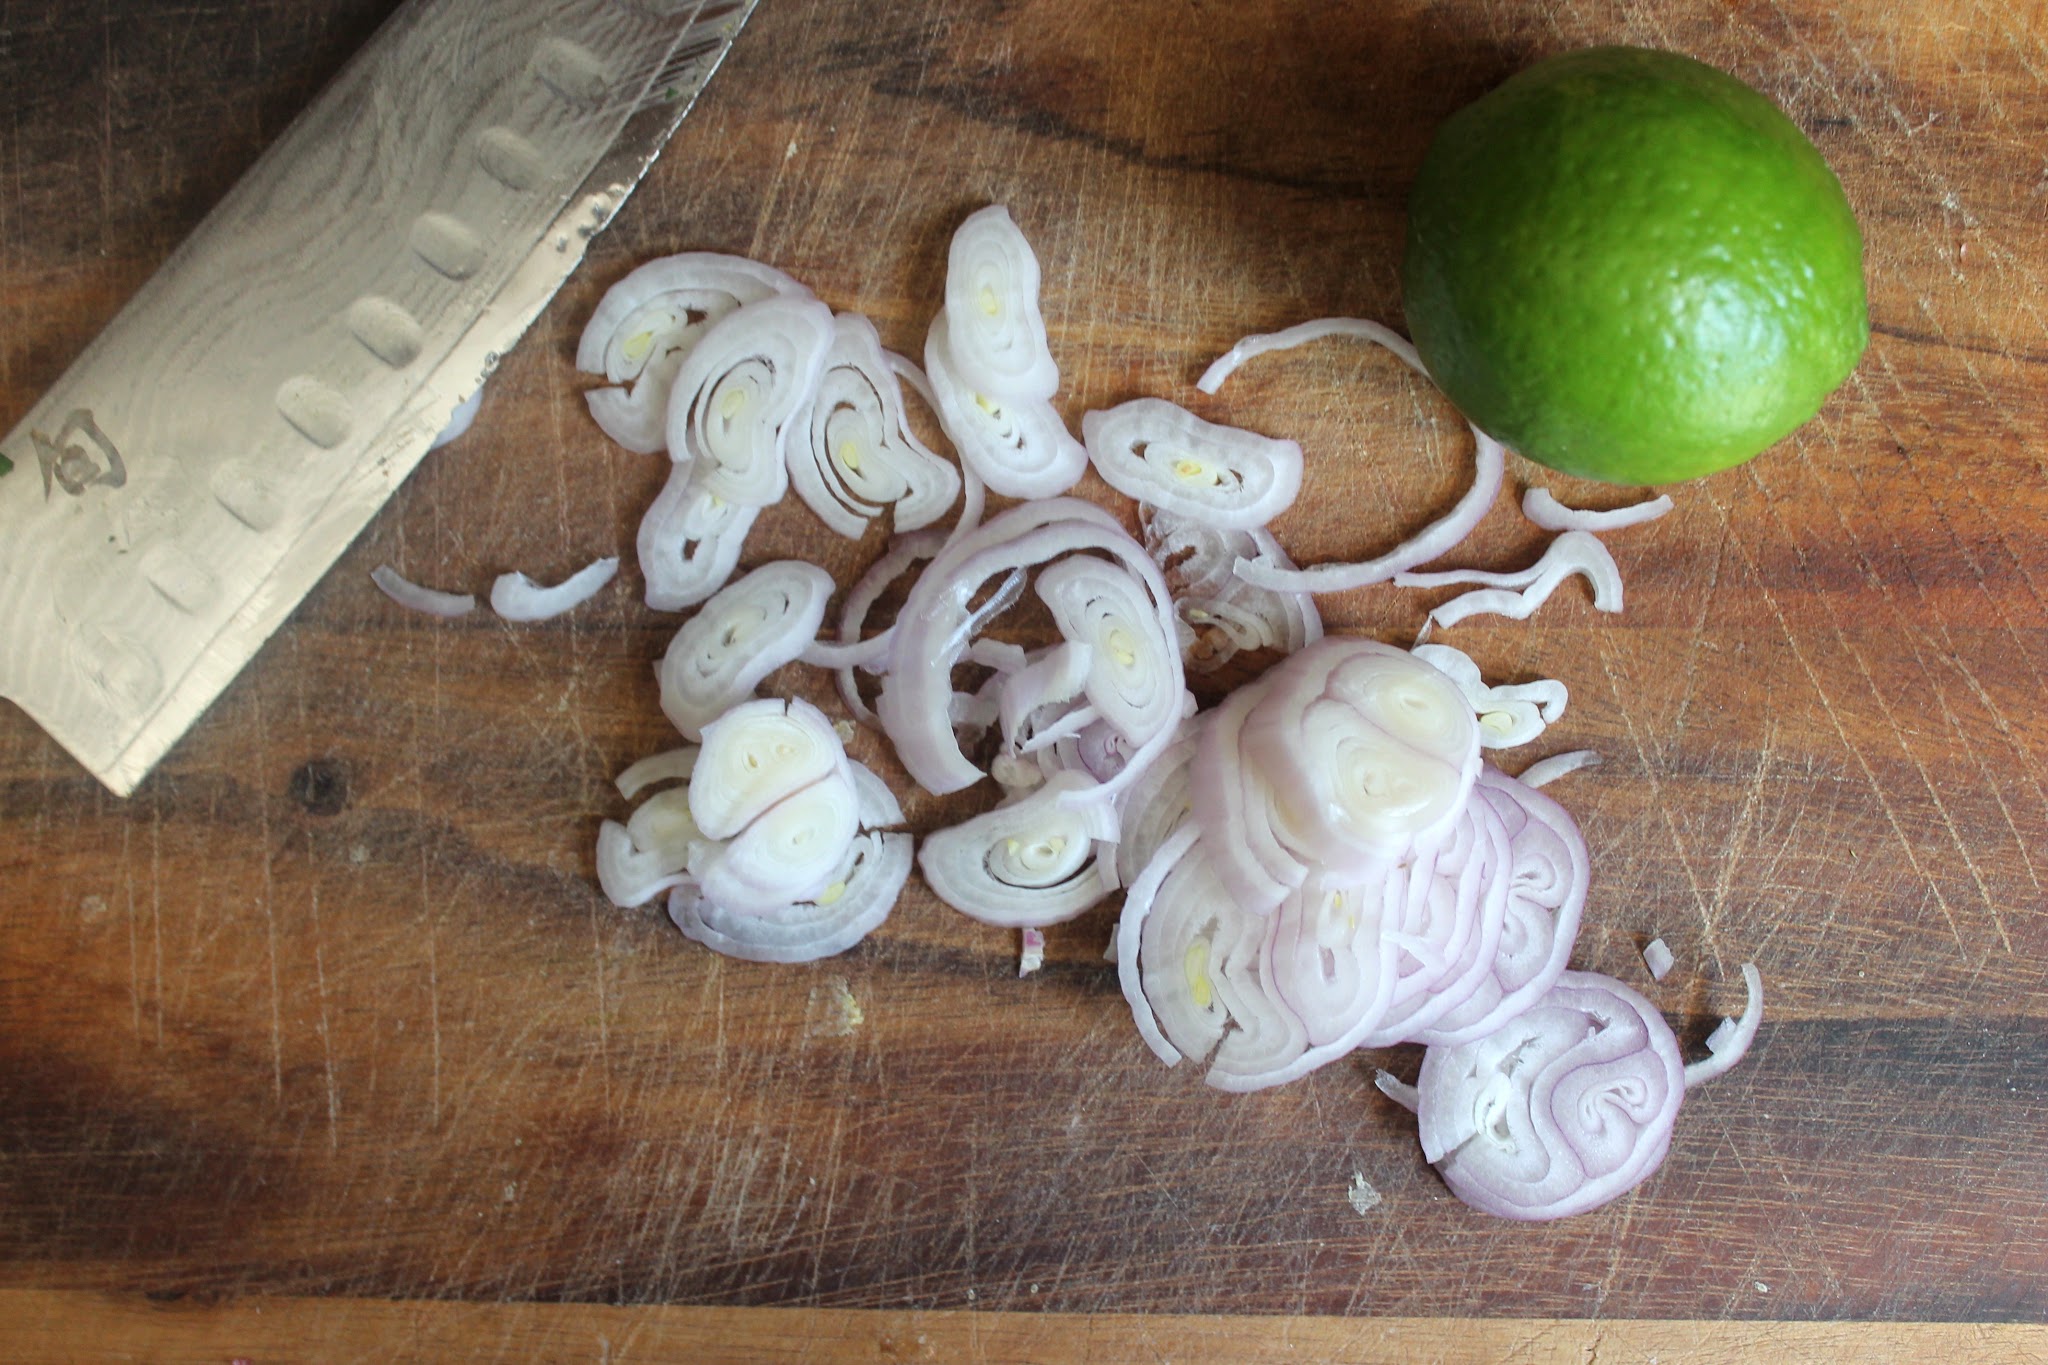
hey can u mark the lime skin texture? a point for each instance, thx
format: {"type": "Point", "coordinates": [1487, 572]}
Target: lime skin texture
{"type": "Point", "coordinates": [1629, 266]}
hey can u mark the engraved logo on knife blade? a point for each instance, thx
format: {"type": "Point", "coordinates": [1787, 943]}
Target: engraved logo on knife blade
{"type": "Point", "coordinates": [73, 467]}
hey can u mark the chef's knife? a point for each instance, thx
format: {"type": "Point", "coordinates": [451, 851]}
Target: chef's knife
{"type": "Point", "coordinates": [219, 445]}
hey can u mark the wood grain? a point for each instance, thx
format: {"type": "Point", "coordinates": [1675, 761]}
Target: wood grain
{"type": "Point", "coordinates": [332, 1006]}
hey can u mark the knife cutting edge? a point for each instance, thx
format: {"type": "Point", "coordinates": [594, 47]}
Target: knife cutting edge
{"type": "Point", "coordinates": [220, 444]}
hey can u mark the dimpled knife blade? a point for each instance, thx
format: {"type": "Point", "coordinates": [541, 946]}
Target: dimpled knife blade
{"type": "Point", "coordinates": [219, 445]}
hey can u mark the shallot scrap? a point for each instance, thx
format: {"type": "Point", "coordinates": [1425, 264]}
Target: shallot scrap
{"type": "Point", "coordinates": [1326, 860]}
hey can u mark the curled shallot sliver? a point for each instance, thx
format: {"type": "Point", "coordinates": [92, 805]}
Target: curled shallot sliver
{"type": "Point", "coordinates": [751, 627]}
{"type": "Point", "coordinates": [1031, 861]}
{"type": "Point", "coordinates": [1540, 506]}
{"type": "Point", "coordinates": [431, 601]}
{"type": "Point", "coordinates": [1518, 593]}
{"type": "Point", "coordinates": [1435, 539]}
{"type": "Point", "coordinates": [647, 855]}
{"type": "Point", "coordinates": [690, 541]}
{"type": "Point", "coordinates": [647, 323]}
{"type": "Point", "coordinates": [1222, 614]}
{"type": "Point", "coordinates": [739, 390]}
{"type": "Point", "coordinates": [1509, 714]}
{"type": "Point", "coordinates": [673, 765]}
{"type": "Point", "coordinates": [1545, 771]}
{"type": "Point", "coordinates": [1163, 455]}
{"type": "Point", "coordinates": [1567, 1106]}
{"type": "Point", "coordinates": [998, 344]}
{"type": "Point", "coordinates": [1730, 1040]}
{"type": "Point", "coordinates": [851, 450]}
{"type": "Point", "coordinates": [515, 597]}
{"type": "Point", "coordinates": [1130, 679]}
{"type": "Point", "coordinates": [1018, 446]}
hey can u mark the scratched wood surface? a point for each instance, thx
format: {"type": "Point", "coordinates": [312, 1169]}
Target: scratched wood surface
{"type": "Point", "coordinates": [333, 1008]}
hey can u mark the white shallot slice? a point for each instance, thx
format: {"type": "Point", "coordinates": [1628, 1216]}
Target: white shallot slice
{"type": "Point", "coordinates": [1540, 506]}
{"type": "Point", "coordinates": [1132, 678]}
{"type": "Point", "coordinates": [690, 541]}
{"type": "Point", "coordinates": [411, 595]}
{"type": "Point", "coordinates": [1124, 946]}
{"type": "Point", "coordinates": [851, 450]}
{"type": "Point", "coordinates": [647, 323]}
{"type": "Point", "coordinates": [750, 627]}
{"type": "Point", "coordinates": [1164, 455]}
{"type": "Point", "coordinates": [673, 765]}
{"type": "Point", "coordinates": [1018, 446]}
{"type": "Point", "coordinates": [1545, 771]}
{"type": "Point", "coordinates": [647, 855]}
{"type": "Point", "coordinates": [786, 854]}
{"type": "Point", "coordinates": [1366, 749]}
{"type": "Point", "coordinates": [1152, 809]}
{"type": "Point", "coordinates": [1231, 802]}
{"type": "Point", "coordinates": [1730, 1040]}
{"type": "Point", "coordinates": [1435, 539]}
{"type": "Point", "coordinates": [1657, 957]}
{"type": "Point", "coordinates": [998, 343]}
{"type": "Point", "coordinates": [738, 390]}
{"type": "Point", "coordinates": [756, 755]}
{"type": "Point", "coordinates": [1571, 552]}
{"type": "Point", "coordinates": [1331, 964]}
{"type": "Point", "coordinates": [858, 898]}
{"type": "Point", "coordinates": [515, 597]}
{"type": "Point", "coordinates": [1567, 1106]}
{"type": "Point", "coordinates": [1509, 714]}
{"type": "Point", "coordinates": [1031, 861]}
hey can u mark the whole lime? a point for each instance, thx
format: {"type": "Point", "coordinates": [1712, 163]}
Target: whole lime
{"type": "Point", "coordinates": [1630, 266]}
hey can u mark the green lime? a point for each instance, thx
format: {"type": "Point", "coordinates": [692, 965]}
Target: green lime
{"type": "Point", "coordinates": [1630, 266]}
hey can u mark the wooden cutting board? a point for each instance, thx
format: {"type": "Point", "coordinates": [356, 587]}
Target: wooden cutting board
{"type": "Point", "coordinates": [332, 1008]}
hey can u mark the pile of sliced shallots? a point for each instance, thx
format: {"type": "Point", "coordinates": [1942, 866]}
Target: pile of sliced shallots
{"type": "Point", "coordinates": [1321, 863]}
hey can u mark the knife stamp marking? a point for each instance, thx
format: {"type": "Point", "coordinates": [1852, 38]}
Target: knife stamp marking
{"type": "Point", "coordinates": [75, 468]}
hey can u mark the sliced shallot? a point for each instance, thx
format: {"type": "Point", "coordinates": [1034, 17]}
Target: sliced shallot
{"type": "Point", "coordinates": [1542, 508]}
{"type": "Point", "coordinates": [515, 597]}
{"type": "Point", "coordinates": [998, 343]}
{"type": "Point", "coordinates": [751, 627]}
{"type": "Point", "coordinates": [756, 755]}
{"type": "Point", "coordinates": [851, 450]}
{"type": "Point", "coordinates": [1433, 540]}
{"type": "Point", "coordinates": [690, 541]}
{"type": "Point", "coordinates": [1017, 445]}
{"type": "Point", "coordinates": [411, 595]}
{"type": "Point", "coordinates": [648, 322]}
{"type": "Point", "coordinates": [738, 390]}
{"type": "Point", "coordinates": [1567, 1106]}
{"type": "Point", "coordinates": [1509, 714]}
{"type": "Point", "coordinates": [1730, 1040]}
{"type": "Point", "coordinates": [1657, 957]}
{"type": "Point", "coordinates": [1164, 455]}
{"type": "Point", "coordinates": [1032, 861]}
{"type": "Point", "coordinates": [1517, 594]}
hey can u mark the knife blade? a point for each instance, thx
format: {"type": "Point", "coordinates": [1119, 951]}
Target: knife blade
{"type": "Point", "coordinates": [218, 446]}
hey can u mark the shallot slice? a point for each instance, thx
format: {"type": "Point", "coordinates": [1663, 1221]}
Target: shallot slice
{"type": "Point", "coordinates": [903, 551]}
{"type": "Point", "coordinates": [1031, 861]}
{"type": "Point", "coordinates": [1222, 613]}
{"type": "Point", "coordinates": [647, 855]}
{"type": "Point", "coordinates": [674, 765]}
{"type": "Point", "coordinates": [1508, 714]}
{"type": "Point", "coordinates": [1164, 455]}
{"type": "Point", "coordinates": [411, 595]}
{"type": "Point", "coordinates": [756, 755]}
{"type": "Point", "coordinates": [690, 541]}
{"type": "Point", "coordinates": [1545, 771]}
{"type": "Point", "coordinates": [787, 853]}
{"type": "Point", "coordinates": [998, 344]}
{"type": "Point", "coordinates": [648, 322]}
{"type": "Point", "coordinates": [751, 627]}
{"type": "Point", "coordinates": [1657, 957]}
{"type": "Point", "coordinates": [851, 450]}
{"type": "Point", "coordinates": [515, 597]}
{"type": "Point", "coordinates": [1730, 1040]}
{"type": "Point", "coordinates": [1017, 445]}
{"type": "Point", "coordinates": [1130, 680]}
{"type": "Point", "coordinates": [1542, 508]}
{"type": "Point", "coordinates": [1435, 539]}
{"type": "Point", "coordinates": [1572, 552]}
{"type": "Point", "coordinates": [1567, 1106]}
{"type": "Point", "coordinates": [1548, 873]}
{"type": "Point", "coordinates": [738, 390]}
